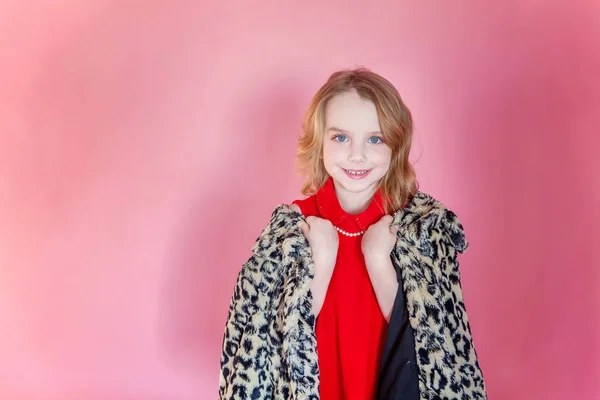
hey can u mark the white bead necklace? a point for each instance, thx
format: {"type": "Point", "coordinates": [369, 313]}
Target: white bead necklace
{"type": "Point", "coordinates": [343, 232]}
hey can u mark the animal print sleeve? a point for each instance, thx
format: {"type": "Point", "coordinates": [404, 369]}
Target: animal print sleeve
{"type": "Point", "coordinates": [244, 303]}
{"type": "Point", "coordinates": [466, 362]}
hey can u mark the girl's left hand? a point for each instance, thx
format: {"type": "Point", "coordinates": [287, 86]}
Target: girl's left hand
{"type": "Point", "coordinates": [379, 239]}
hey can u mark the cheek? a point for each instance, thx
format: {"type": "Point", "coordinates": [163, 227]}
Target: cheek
{"type": "Point", "coordinates": [383, 156]}
{"type": "Point", "coordinates": [329, 151]}
{"type": "Point", "coordinates": [325, 152]}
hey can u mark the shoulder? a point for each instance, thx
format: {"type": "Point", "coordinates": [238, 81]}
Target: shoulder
{"type": "Point", "coordinates": [296, 208]}
{"type": "Point", "coordinates": [284, 215]}
{"type": "Point", "coordinates": [282, 225]}
{"type": "Point", "coordinates": [307, 206]}
{"type": "Point", "coordinates": [425, 214]}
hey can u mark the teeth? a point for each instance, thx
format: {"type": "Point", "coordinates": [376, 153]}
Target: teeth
{"type": "Point", "coordinates": [356, 172]}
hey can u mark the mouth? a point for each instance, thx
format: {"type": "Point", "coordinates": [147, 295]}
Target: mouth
{"type": "Point", "coordinates": [356, 173]}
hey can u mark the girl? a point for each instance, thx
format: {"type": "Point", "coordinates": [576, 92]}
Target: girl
{"type": "Point", "coordinates": [353, 292]}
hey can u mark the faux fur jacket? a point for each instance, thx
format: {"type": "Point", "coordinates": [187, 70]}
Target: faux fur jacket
{"type": "Point", "coordinates": [269, 345]}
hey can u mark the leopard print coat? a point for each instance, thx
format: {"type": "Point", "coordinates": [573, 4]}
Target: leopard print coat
{"type": "Point", "coordinates": [269, 345]}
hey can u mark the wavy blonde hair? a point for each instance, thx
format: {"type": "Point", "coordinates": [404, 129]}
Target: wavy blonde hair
{"type": "Point", "coordinates": [399, 185]}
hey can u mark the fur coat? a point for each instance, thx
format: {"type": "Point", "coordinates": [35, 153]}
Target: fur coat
{"type": "Point", "coordinates": [269, 346]}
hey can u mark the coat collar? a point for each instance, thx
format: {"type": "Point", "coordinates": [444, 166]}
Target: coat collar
{"type": "Point", "coordinates": [422, 214]}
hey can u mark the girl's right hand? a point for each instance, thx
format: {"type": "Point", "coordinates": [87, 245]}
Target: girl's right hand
{"type": "Point", "coordinates": [324, 242]}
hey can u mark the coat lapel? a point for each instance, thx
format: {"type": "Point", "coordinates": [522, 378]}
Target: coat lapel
{"type": "Point", "coordinates": [299, 340]}
{"type": "Point", "coordinates": [417, 261]}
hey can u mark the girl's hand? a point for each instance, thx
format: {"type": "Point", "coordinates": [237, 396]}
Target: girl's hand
{"type": "Point", "coordinates": [379, 240]}
{"type": "Point", "coordinates": [323, 239]}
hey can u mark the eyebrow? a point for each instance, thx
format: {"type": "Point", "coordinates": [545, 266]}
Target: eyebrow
{"type": "Point", "coordinates": [333, 128]}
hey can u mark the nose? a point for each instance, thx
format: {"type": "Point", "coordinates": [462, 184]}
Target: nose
{"type": "Point", "coordinates": [357, 154]}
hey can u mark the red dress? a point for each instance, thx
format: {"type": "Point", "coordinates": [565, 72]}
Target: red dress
{"type": "Point", "coordinates": [350, 328]}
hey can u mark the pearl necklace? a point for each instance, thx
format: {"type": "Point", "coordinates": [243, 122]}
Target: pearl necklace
{"type": "Point", "coordinates": [343, 232]}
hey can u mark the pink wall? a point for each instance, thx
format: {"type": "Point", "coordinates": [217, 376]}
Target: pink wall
{"type": "Point", "coordinates": [143, 146]}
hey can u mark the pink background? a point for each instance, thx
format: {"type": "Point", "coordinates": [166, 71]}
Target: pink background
{"type": "Point", "coordinates": [144, 144]}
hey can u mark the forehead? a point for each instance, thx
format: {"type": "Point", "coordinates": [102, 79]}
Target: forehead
{"type": "Point", "coordinates": [350, 112]}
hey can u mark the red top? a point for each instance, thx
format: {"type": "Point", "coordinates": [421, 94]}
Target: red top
{"type": "Point", "coordinates": [350, 328]}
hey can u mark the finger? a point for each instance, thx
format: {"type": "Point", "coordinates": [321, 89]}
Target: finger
{"type": "Point", "coordinates": [303, 226]}
{"type": "Point", "coordinates": [387, 219]}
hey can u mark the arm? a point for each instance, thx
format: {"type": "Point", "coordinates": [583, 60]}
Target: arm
{"type": "Point", "coordinates": [323, 241]}
{"type": "Point", "coordinates": [384, 281]}
{"type": "Point", "coordinates": [377, 245]}
{"type": "Point", "coordinates": [319, 287]}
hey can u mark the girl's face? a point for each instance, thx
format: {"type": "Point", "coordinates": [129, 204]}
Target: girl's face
{"type": "Point", "coordinates": [354, 151]}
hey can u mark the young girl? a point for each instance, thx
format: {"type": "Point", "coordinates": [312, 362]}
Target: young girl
{"type": "Point", "coordinates": [353, 292]}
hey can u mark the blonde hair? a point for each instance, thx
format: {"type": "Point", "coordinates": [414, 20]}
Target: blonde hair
{"type": "Point", "coordinates": [399, 185]}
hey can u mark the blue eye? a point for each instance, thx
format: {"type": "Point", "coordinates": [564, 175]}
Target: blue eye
{"type": "Point", "coordinates": [376, 141]}
{"type": "Point", "coordinates": [340, 138]}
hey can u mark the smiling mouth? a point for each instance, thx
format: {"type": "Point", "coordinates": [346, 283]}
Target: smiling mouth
{"type": "Point", "coordinates": [357, 173]}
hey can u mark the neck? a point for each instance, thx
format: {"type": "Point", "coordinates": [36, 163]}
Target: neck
{"type": "Point", "coordinates": [355, 203]}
